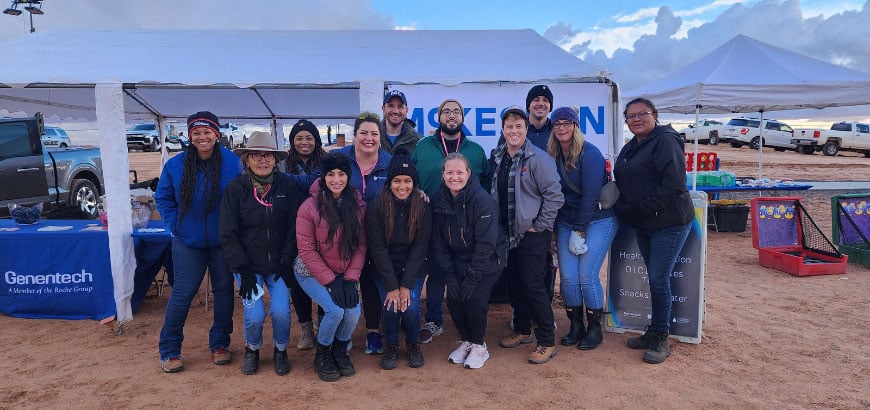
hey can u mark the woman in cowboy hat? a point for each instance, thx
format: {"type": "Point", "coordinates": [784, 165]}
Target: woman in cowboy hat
{"type": "Point", "coordinates": [258, 235]}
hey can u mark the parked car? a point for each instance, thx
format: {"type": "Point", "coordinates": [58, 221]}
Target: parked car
{"type": "Point", "coordinates": [231, 136]}
{"type": "Point", "coordinates": [32, 174]}
{"type": "Point", "coordinates": [145, 137]}
{"type": "Point", "coordinates": [709, 131]}
{"type": "Point", "coordinates": [843, 136]}
{"type": "Point", "coordinates": [743, 131]}
{"type": "Point", "coordinates": [55, 137]}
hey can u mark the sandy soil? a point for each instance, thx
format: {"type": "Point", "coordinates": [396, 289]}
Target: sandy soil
{"type": "Point", "coordinates": [771, 340]}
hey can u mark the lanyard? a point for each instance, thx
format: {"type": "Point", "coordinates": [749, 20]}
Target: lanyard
{"type": "Point", "coordinates": [260, 200]}
{"type": "Point", "coordinates": [444, 144]}
{"type": "Point", "coordinates": [364, 173]}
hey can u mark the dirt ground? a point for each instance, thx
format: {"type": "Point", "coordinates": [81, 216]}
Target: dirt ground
{"type": "Point", "coordinates": [770, 340]}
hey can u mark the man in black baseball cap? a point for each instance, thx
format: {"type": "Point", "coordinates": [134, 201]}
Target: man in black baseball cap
{"type": "Point", "coordinates": [397, 131]}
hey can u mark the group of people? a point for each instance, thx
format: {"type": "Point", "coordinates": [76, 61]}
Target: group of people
{"type": "Point", "coordinates": [361, 229]}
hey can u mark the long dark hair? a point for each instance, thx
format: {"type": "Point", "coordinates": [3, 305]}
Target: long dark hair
{"type": "Point", "coordinates": [386, 202]}
{"type": "Point", "coordinates": [212, 169]}
{"type": "Point", "coordinates": [342, 212]}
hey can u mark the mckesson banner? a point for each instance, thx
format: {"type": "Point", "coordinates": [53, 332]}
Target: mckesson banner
{"type": "Point", "coordinates": [54, 274]}
{"type": "Point", "coordinates": [628, 297]}
{"type": "Point", "coordinates": [484, 102]}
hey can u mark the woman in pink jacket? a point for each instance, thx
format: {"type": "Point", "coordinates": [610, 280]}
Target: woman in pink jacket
{"type": "Point", "coordinates": [331, 238]}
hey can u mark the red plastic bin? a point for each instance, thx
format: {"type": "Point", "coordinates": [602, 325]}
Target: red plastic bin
{"type": "Point", "coordinates": [777, 233]}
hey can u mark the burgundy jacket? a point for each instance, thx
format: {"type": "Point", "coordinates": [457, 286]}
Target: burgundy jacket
{"type": "Point", "coordinates": [321, 256]}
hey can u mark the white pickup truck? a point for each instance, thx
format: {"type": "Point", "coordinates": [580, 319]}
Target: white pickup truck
{"type": "Point", "coordinates": [709, 131]}
{"type": "Point", "coordinates": [843, 136]}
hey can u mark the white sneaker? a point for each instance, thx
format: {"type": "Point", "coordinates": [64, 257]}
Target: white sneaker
{"type": "Point", "coordinates": [459, 355]}
{"type": "Point", "coordinates": [476, 357]}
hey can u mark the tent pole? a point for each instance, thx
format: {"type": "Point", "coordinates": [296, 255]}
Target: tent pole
{"type": "Point", "coordinates": [760, 142]}
{"type": "Point", "coordinates": [695, 155]}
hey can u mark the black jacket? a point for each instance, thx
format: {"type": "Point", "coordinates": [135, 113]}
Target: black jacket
{"type": "Point", "coordinates": [651, 176]}
{"type": "Point", "coordinates": [399, 262]}
{"type": "Point", "coordinates": [466, 236]}
{"type": "Point", "coordinates": [256, 238]}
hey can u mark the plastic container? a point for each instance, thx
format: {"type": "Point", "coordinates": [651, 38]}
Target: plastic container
{"type": "Point", "coordinates": [25, 214]}
{"type": "Point", "coordinates": [731, 218]}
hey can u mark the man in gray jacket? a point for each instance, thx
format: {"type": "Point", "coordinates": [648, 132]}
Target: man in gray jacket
{"type": "Point", "coordinates": [528, 192]}
{"type": "Point", "coordinates": [397, 131]}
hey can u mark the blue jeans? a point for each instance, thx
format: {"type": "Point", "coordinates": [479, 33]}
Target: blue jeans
{"type": "Point", "coordinates": [660, 249]}
{"type": "Point", "coordinates": [435, 285]}
{"type": "Point", "coordinates": [190, 265]}
{"type": "Point", "coordinates": [279, 309]}
{"type": "Point", "coordinates": [338, 323]}
{"type": "Point", "coordinates": [579, 274]}
{"type": "Point", "coordinates": [410, 317]}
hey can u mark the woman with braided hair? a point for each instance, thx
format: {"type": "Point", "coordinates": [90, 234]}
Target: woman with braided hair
{"type": "Point", "coordinates": [188, 197]}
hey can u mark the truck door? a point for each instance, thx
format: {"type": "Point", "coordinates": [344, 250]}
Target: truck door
{"type": "Point", "coordinates": [22, 167]}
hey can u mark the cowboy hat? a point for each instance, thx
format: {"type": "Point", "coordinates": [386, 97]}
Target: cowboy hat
{"type": "Point", "coordinates": [262, 142]}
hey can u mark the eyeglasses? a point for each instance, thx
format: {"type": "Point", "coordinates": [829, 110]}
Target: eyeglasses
{"type": "Point", "coordinates": [563, 124]}
{"type": "Point", "coordinates": [638, 116]}
{"type": "Point", "coordinates": [457, 112]}
{"type": "Point", "coordinates": [257, 156]}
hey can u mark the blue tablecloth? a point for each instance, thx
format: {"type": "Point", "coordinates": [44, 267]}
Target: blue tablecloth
{"type": "Point", "coordinates": [778, 187]}
{"type": "Point", "coordinates": [56, 274]}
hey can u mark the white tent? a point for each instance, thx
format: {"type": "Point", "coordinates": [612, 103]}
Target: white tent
{"type": "Point", "coordinates": [113, 77]}
{"type": "Point", "coordinates": [745, 75]}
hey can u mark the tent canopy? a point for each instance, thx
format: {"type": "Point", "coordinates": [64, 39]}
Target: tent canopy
{"type": "Point", "coordinates": [747, 75]}
{"type": "Point", "coordinates": [260, 74]}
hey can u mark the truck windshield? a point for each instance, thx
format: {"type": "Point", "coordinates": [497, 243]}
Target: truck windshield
{"type": "Point", "coordinates": [144, 127]}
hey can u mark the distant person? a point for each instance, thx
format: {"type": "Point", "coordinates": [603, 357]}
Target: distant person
{"type": "Point", "coordinates": [527, 190]}
{"type": "Point", "coordinates": [258, 236]}
{"type": "Point", "coordinates": [398, 225]}
{"type": "Point", "coordinates": [188, 197]}
{"type": "Point", "coordinates": [306, 150]}
{"type": "Point", "coordinates": [584, 232]}
{"type": "Point", "coordinates": [397, 131]}
{"type": "Point", "coordinates": [651, 175]}
{"type": "Point", "coordinates": [369, 163]}
{"type": "Point", "coordinates": [429, 157]}
{"type": "Point", "coordinates": [331, 239]}
{"type": "Point", "coordinates": [470, 248]}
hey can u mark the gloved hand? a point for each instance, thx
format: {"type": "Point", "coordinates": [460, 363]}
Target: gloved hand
{"type": "Point", "coordinates": [336, 291]}
{"type": "Point", "coordinates": [286, 273]}
{"type": "Point", "coordinates": [351, 293]}
{"type": "Point", "coordinates": [469, 284]}
{"type": "Point", "coordinates": [248, 286]}
{"type": "Point", "coordinates": [577, 243]}
{"type": "Point", "coordinates": [453, 290]}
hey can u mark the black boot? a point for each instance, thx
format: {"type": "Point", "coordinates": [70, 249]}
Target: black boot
{"type": "Point", "coordinates": [251, 361]}
{"type": "Point", "coordinates": [658, 350]}
{"type": "Point", "coordinates": [577, 330]}
{"type": "Point", "coordinates": [593, 337]}
{"type": "Point", "coordinates": [341, 359]}
{"type": "Point", "coordinates": [641, 342]}
{"type": "Point", "coordinates": [282, 362]}
{"type": "Point", "coordinates": [324, 365]}
{"type": "Point", "coordinates": [390, 359]}
{"type": "Point", "coordinates": [415, 355]}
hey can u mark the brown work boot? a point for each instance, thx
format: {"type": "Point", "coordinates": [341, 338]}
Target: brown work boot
{"type": "Point", "coordinates": [221, 356]}
{"type": "Point", "coordinates": [172, 365]}
{"type": "Point", "coordinates": [515, 339]}
{"type": "Point", "coordinates": [542, 354]}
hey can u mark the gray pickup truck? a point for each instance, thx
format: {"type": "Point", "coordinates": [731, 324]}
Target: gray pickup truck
{"type": "Point", "coordinates": [30, 173]}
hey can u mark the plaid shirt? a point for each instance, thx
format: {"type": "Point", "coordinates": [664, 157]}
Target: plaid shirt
{"type": "Point", "coordinates": [498, 154]}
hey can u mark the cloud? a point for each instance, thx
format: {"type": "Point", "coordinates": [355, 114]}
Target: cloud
{"type": "Point", "coordinates": [641, 52]}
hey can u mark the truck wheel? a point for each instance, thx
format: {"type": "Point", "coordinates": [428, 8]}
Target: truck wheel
{"type": "Point", "coordinates": [866, 154]}
{"type": "Point", "coordinates": [831, 148]}
{"type": "Point", "coordinates": [736, 144]}
{"type": "Point", "coordinates": [63, 145]}
{"type": "Point", "coordinates": [754, 143]}
{"type": "Point", "coordinates": [84, 195]}
{"type": "Point", "coordinates": [714, 137]}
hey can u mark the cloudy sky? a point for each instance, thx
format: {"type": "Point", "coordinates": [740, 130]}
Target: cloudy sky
{"type": "Point", "coordinates": [634, 41]}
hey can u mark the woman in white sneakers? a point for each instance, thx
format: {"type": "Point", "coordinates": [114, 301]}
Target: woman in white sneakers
{"type": "Point", "coordinates": [470, 248]}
